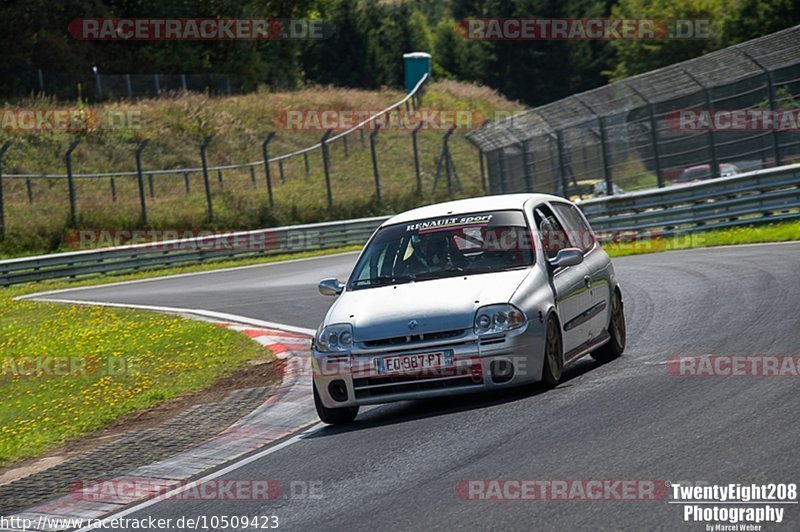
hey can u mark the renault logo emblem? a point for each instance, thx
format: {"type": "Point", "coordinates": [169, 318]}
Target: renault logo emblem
{"type": "Point", "coordinates": [413, 324]}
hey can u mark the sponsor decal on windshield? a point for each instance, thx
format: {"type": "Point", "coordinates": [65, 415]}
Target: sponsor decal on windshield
{"type": "Point", "coordinates": [429, 226]}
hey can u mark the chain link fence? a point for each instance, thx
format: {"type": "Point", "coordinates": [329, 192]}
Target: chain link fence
{"type": "Point", "coordinates": [110, 87]}
{"type": "Point", "coordinates": [628, 135]}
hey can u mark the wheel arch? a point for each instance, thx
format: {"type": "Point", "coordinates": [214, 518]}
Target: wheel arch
{"type": "Point", "coordinates": [552, 311]}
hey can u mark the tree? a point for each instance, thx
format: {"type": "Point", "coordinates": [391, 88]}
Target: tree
{"type": "Point", "coordinates": [730, 23]}
{"type": "Point", "coordinates": [341, 59]}
{"type": "Point", "coordinates": [748, 19]}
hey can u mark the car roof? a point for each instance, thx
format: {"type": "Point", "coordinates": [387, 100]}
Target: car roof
{"type": "Point", "coordinates": [498, 202]}
{"type": "Point", "coordinates": [698, 167]}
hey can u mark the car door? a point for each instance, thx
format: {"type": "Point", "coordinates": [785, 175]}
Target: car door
{"type": "Point", "coordinates": [573, 300]}
{"type": "Point", "coordinates": [596, 261]}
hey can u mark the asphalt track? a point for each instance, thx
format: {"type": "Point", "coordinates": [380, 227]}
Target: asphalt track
{"type": "Point", "coordinates": [397, 466]}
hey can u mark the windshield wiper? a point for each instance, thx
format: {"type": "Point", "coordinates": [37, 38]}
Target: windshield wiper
{"type": "Point", "coordinates": [448, 272]}
{"type": "Point", "coordinates": [488, 268]}
{"type": "Point", "coordinates": [383, 280]}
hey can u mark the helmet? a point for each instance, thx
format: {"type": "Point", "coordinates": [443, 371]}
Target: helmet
{"type": "Point", "coordinates": [429, 245]}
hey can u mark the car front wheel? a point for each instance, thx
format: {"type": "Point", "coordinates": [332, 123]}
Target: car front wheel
{"type": "Point", "coordinates": [334, 416]}
{"type": "Point", "coordinates": [616, 329]}
{"type": "Point", "coordinates": [553, 357]}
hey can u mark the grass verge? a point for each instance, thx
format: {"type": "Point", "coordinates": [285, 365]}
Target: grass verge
{"type": "Point", "coordinates": [131, 360]}
{"type": "Point", "coordinates": [66, 371]}
{"type": "Point", "coordinates": [751, 234]}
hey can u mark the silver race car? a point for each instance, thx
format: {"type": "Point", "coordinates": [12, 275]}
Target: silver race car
{"type": "Point", "coordinates": [464, 296]}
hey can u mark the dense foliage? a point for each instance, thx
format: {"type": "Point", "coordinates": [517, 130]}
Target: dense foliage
{"type": "Point", "coordinates": [370, 37]}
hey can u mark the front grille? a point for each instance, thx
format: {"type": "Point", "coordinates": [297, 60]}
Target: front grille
{"type": "Point", "coordinates": [412, 338]}
{"type": "Point", "coordinates": [394, 384]}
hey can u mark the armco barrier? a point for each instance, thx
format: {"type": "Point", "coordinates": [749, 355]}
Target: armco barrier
{"type": "Point", "coordinates": [132, 258]}
{"type": "Point", "coordinates": [761, 196]}
{"type": "Point", "coordinates": [756, 197]}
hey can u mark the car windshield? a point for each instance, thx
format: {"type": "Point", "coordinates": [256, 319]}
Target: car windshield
{"type": "Point", "coordinates": [694, 174]}
{"type": "Point", "coordinates": [443, 247]}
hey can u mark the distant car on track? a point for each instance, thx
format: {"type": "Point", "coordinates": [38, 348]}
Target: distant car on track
{"type": "Point", "coordinates": [591, 188]}
{"type": "Point", "coordinates": [464, 296]}
{"type": "Point", "coordinates": [703, 172]}
{"type": "Point", "coordinates": [600, 189]}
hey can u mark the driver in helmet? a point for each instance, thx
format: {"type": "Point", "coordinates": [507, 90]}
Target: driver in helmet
{"type": "Point", "coordinates": [431, 254]}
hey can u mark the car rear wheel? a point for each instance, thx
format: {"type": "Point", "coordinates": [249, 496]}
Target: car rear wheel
{"type": "Point", "coordinates": [616, 329]}
{"type": "Point", "coordinates": [553, 356]}
{"type": "Point", "coordinates": [334, 416]}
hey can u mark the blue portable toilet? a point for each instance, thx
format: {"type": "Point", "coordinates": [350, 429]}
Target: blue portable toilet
{"type": "Point", "coordinates": [417, 65]}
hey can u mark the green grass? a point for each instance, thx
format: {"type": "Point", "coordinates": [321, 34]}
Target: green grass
{"type": "Point", "coordinates": [777, 232]}
{"type": "Point", "coordinates": [173, 356]}
{"type": "Point", "coordinates": [175, 127]}
{"type": "Point", "coordinates": [116, 361]}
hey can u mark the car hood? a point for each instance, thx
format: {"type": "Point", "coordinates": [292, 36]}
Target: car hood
{"type": "Point", "coordinates": [436, 304]}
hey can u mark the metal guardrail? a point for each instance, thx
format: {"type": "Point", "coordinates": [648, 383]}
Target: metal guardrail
{"type": "Point", "coordinates": [756, 197]}
{"type": "Point", "coordinates": [150, 256]}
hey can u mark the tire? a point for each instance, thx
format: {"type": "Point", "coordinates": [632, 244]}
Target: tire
{"type": "Point", "coordinates": [334, 416]}
{"type": "Point", "coordinates": [616, 329]}
{"type": "Point", "coordinates": [553, 354]}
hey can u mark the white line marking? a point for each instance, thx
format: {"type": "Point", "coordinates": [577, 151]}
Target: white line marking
{"type": "Point", "coordinates": [180, 275]}
{"type": "Point", "coordinates": [233, 467]}
{"type": "Point", "coordinates": [221, 316]}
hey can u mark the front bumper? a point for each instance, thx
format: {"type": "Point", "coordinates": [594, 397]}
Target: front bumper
{"type": "Point", "coordinates": [479, 365]}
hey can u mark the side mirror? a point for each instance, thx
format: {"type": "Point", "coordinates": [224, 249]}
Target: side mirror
{"type": "Point", "coordinates": [330, 287]}
{"type": "Point", "coordinates": [567, 257]}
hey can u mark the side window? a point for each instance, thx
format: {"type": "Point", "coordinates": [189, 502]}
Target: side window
{"type": "Point", "coordinates": [379, 261]}
{"type": "Point", "coordinates": [376, 262]}
{"type": "Point", "coordinates": [554, 238]}
{"type": "Point", "coordinates": [579, 233]}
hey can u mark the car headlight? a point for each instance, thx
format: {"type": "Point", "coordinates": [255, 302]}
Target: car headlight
{"type": "Point", "coordinates": [498, 318]}
{"type": "Point", "coordinates": [336, 338]}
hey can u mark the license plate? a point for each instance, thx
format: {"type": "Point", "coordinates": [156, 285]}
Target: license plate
{"type": "Point", "coordinates": [419, 363]}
